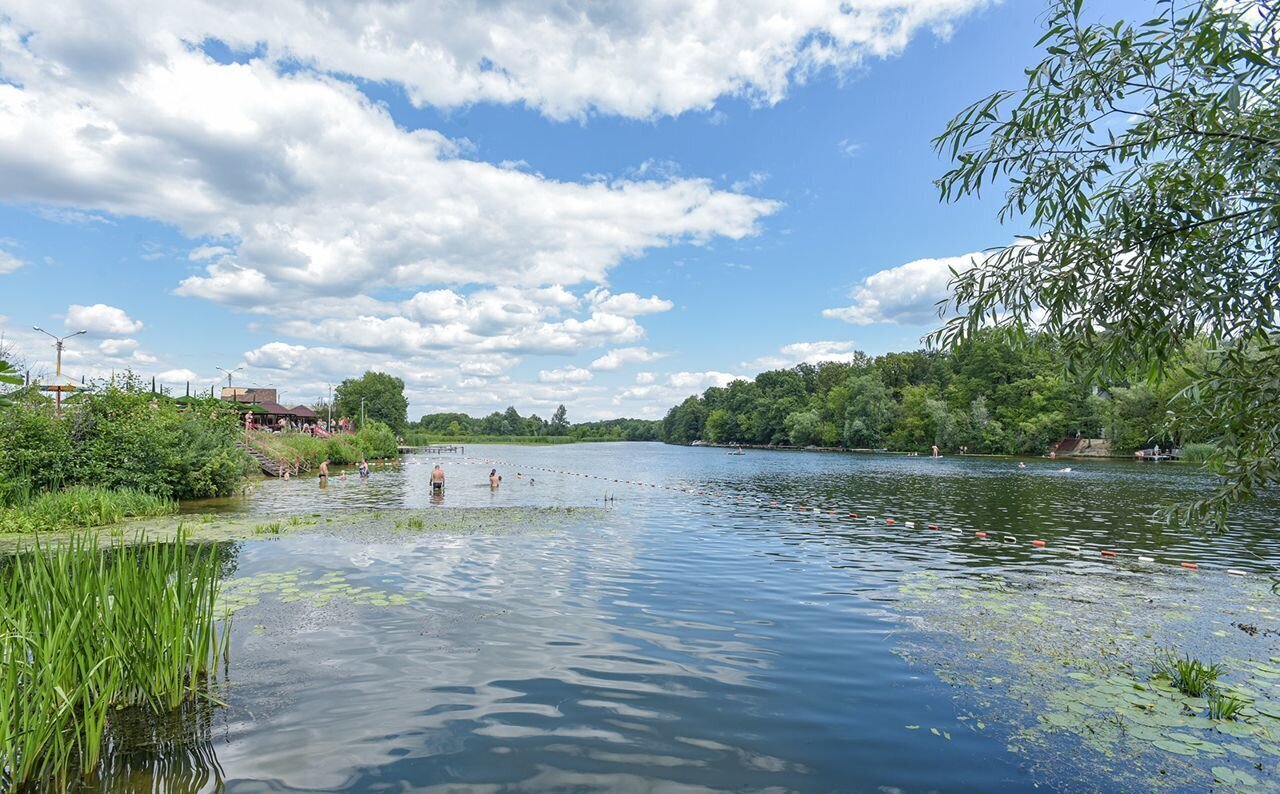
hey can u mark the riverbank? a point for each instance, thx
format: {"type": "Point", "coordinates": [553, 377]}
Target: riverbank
{"type": "Point", "coordinates": [902, 453]}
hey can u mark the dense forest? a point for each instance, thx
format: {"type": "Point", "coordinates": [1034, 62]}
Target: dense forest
{"type": "Point", "coordinates": [987, 395]}
{"type": "Point", "coordinates": [510, 424]}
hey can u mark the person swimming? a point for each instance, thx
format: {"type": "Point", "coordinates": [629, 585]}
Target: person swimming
{"type": "Point", "coordinates": [494, 479]}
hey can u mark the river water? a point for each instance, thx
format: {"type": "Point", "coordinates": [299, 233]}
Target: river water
{"type": "Point", "coordinates": [688, 634]}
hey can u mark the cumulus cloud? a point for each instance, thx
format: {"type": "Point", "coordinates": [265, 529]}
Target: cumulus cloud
{"type": "Point", "coordinates": [566, 59]}
{"type": "Point", "coordinates": [627, 304]}
{"type": "Point", "coordinates": [176, 375]}
{"type": "Point", "coordinates": [805, 352]}
{"type": "Point", "coordinates": [102, 319]}
{"type": "Point", "coordinates": [310, 187]}
{"type": "Point", "coordinates": [9, 262]}
{"type": "Point", "coordinates": [568, 374]}
{"type": "Point", "coordinates": [905, 295]}
{"type": "Point", "coordinates": [620, 357]}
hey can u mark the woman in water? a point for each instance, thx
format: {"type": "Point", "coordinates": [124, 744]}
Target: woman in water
{"type": "Point", "coordinates": [494, 479]}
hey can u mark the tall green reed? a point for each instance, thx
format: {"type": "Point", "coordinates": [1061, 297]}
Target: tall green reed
{"type": "Point", "coordinates": [86, 632]}
{"type": "Point", "coordinates": [82, 507]}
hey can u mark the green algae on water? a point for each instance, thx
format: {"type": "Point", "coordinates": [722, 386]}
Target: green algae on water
{"type": "Point", "coordinates": [1062, 664]}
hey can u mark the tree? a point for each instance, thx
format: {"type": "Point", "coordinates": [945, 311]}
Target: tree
{"type": "Point", "coordinates": [560, 422]}
{"type": "Point", "coordinates": [1146, 158]}
{"type": "Point", "coordinates": [383, 396]}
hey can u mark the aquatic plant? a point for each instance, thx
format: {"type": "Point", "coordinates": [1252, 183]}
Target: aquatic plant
{"type": "Point", "coordinates": [86, 633]}
{"type": "Point", "coordinates": [1226, 707]}
{"type": "Point", "coordinates": [1189, 676]}
{"type": "Point", "coordinates": [269, 528]}
{"type": "Point", "coordinates": [83, 507]}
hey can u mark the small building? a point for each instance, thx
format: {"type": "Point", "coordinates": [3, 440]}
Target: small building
{"type": "Point", "coordinates": [241, 394]}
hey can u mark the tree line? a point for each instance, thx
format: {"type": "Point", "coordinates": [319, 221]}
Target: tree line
{"type": "Point", "coordinates": [988, 395]}
{"type": "Point", "coordinates": [510, 424]}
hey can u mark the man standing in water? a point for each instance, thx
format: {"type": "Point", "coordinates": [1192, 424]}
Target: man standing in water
{"type": "Point", "coordinates": [437, 479]}
{"type": "Point", "coordinates": [324, 473]}
{"type": "Point", "coordinates": [494, 479]}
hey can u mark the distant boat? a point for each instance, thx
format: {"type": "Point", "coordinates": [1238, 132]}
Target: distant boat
{"type": "Point", "coordinates": [698, 443]}
{"type": "Point", "coordinates": [736, 451]}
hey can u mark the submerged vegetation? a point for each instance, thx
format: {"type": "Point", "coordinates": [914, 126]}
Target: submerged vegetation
{"type": "Point", "coordinates": [88, 635]}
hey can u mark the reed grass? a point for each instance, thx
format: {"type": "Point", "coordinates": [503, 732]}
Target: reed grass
{"type": "Point", "coordinates": [82, 507]}
{"type": "Point", "coordinates": [86, 633]}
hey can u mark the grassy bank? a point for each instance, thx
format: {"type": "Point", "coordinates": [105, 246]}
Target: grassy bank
{"type": "Point", "coordinates": [81, 507]}
{"type": "Point", "coordinates": [89, 635]}
{"type": "Point", "coordinates": [373, 442]}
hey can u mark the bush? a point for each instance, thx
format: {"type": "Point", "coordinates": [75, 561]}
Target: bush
{"type": "Point", "coordinates": [120, 437]}
{"type": "Point", "coordinates": [1198, 453]}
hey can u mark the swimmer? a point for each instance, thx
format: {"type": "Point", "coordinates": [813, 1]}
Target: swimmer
{"type": "Point", "coordinates": [531, 481]}
{"type": "Point", "coordinates": [437, 479]}
{"type": "Point", "coordinates": [324, 473]}
{"type": "Point", "coordinates": [1021, 465]}
{"type": "Point", "coordinates": [1065, 470]}
{"type": "Point", "coordinates": [494, 479]}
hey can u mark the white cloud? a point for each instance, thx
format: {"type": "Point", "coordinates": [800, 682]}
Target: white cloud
{"type": "Point", "coordinates": [9, 262]}
{"type": "Point", "coordinates": [101, 319]}
{"type": "Point", "coordinates": [906, 295]}
{"type": "Point", "coordinates": [619, 357]}
{"type": "Point", "coordinates": [701, 380]}
{"type": "Point", "coordinates": [567, 59]}
{"type": "Point", "coordinates": [313, 189]}
{"type": "Point", "coordinates": [568, 374]}
{"type": "Point", "coordinates": [628, 304]}
{"type": "Point", "coordinates": [176, 375]}
{"type": "Point", "coordinates": [805, 352]}
{"type": "Point", "coordinates": [644, 378]}
{"type": "Point", "coordinates": [207, 252]}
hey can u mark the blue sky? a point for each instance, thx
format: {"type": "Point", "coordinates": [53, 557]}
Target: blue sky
{"type": "Point", "coordinates": [606, 206]}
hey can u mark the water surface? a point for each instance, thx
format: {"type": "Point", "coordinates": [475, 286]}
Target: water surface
{"type": "Point", "coordinates": [702, 639]}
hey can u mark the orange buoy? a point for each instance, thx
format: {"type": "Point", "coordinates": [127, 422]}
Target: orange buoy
{"type": "Point", "coordinates": [1108, 554]}
{"type": "Point", "coordinates": [1190, 565]}
{"type": "Point", "coordinates": [853, 515]}
{"type": "Point", "coordinates": [934, 526]}
{"type": "Point", "coordinates": [979, 534]}
{"type": "Point", "coordinates": [1038, 543]}
{"type": "Point", "coordinates": [888, 521]}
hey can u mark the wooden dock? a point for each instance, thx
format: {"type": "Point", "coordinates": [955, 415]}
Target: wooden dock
{"type": "Point", "coordinates": [435, 449]}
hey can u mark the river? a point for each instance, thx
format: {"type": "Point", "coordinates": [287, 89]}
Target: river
{"type": "Point", "coordinates": [697, 630]}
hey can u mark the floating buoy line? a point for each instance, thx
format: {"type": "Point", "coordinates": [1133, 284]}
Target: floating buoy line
{"type": "Point", "coordinates": [1105, 554]}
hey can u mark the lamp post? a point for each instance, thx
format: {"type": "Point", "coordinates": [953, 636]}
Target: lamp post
{"type": "Point", "coordinates": [57, 343]}
{"type": "Point", "coordinates": [362, 413]}
{"type": "Point", "coordinates": [229, 373]}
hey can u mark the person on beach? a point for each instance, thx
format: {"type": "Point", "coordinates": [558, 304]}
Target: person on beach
{"type": "Point", "coordinates": [437, 479]}
{"type": "Point", "coordinates": [324, 473]}
{"type": "Point", "coordinates": [494, 479]}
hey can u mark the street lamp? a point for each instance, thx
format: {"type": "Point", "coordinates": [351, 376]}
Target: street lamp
{"type": "Point", "coordinates": [229, 373]}
{"type": "Point", "coordinates": [362, 413]}
{"type": "Point", "coordinates": [58, 341]}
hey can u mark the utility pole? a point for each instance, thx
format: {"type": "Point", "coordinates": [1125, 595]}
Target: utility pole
{"type": "Point", "coordinates": [362, 413]}
{"type": "Point", "coordinates": [329, 405]}
{"type": "Point", "coordinates": [58, 342]}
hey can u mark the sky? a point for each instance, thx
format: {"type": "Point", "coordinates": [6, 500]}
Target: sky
{"type": "Point", "coordinates": [609, 205]}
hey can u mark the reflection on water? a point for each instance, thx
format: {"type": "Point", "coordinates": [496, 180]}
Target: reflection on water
{"type": "Point", "coordinates": [677, 644]}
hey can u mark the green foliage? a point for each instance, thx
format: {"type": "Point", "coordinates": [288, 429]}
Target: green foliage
{"type": "Point", "coordinates": [372, 442]}
{"type": "Point", "coordinates": [988, 395]}
{"type": "Point", "coordinates": [86, 634]}
{"type": "Point", "coordinates": [1144, 156]}
{"type": "Point", "coordinates": [120, 437]}
{"type": "Point", "coordinates": [509, 426]}
{"type": "Point", "coordinates": [1197, 453]}
{"type": "Point", "coordinates": [1226, 707]}
{"type": "Point", "coordinates": [9, 377]}
{"type": "Point", "coordinates": [1189, 676]}
{"type": "Point", "coordinates": [383, 396]}
{"type": "Point", "coordinates": [82, 506]}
